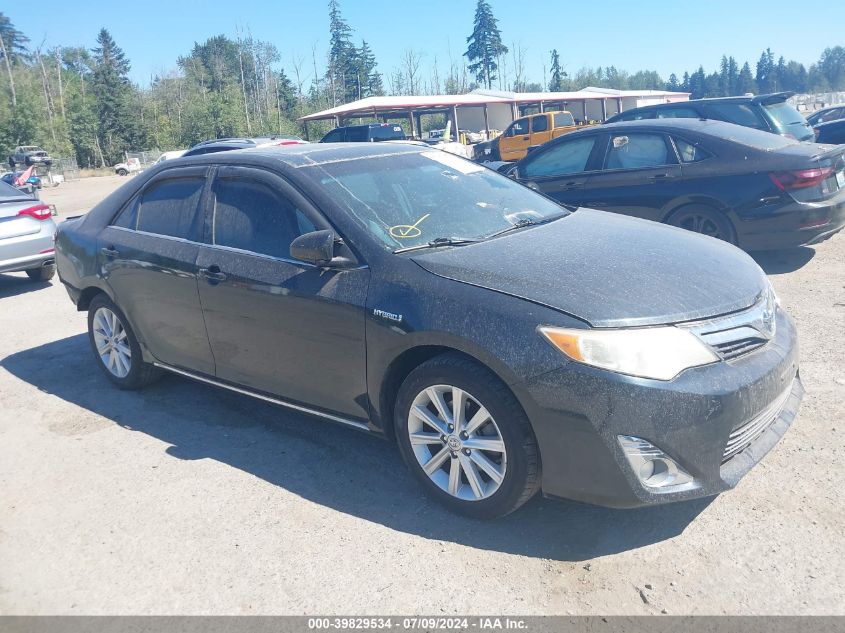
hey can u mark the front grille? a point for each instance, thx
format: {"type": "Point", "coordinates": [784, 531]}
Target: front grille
{"type": "Point", "coordinates": [740, 333]}
{"type": "Point", "coordinates": [735, 348]}
{"type": "Point", "coordinates": [744, 435]}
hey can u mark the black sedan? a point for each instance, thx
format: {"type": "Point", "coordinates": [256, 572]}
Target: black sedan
{"type": "Point", "coordinates": [506, 344]}
{"type": "Point", "coordinates": [832, 132]}
{"type": "Point", "coordinates": [756, 190]}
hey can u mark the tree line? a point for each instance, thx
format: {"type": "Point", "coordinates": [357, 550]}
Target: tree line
{"type": "Point", "coordinates": [75, 101]}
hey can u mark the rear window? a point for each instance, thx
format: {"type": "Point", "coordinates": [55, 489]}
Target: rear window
{"type": "Point", "coordinates": [765, 141]}
{"type": "Point", "coordinates": [9, 193]}
{"type": "Point", "coordinates": [563, 119]}
{"type": "Point", "coordinates": [786, 118]}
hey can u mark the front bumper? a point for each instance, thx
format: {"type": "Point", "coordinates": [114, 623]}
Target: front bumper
{"type": "Point", "coordinates": [578, 412]}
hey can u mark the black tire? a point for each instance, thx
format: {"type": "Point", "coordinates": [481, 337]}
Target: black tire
{"type": "Point", "coordinates": [45, 273]}
{"type": "Point", "coordinates": [522, 475]}
{"type": "Point", "coordinates": [28, 161]}
{"type": "Point", "coordinates": [705, 220]}
{"type": "Point", "coordinates": [122, 172]}
{"type": "Point", "coordinates": [12, 163]}
{"type": "Point", "coordinates": [140, 373]}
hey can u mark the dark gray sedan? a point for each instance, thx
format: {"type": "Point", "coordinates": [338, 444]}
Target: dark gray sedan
{"type": "Point", "coordinates": [507, 344]}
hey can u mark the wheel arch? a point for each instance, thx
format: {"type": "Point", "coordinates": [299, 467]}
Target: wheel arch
{"type": "Point", "coordinates": [707, 202]}
{"type": "Point", "coordinates": [409, 359]}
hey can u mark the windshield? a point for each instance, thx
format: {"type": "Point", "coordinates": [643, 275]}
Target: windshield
{"type": "Point", "coordinates": [411, 199]}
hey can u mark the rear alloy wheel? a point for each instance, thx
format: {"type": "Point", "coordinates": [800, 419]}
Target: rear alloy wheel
{"type": "Point", "coordinates": [115, 346]}
{"type": "Point", "coordinates": [704, 220]}
{"type": "Point", "coordinates": [466, 438]}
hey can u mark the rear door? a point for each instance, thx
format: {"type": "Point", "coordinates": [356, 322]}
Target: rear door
{"type": "Point", "coordinates": [562, 170]}
{"type": "Point", "coordinates": [148, 257]}
{"type": "Point", "coordinates": [540, 130]}
{"type": "Point", "coordinates": [276, 324]}
{"type": "Point", "coordinates": [640, 175]}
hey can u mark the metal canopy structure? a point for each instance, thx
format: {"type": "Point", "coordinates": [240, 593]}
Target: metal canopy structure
{"type": "Point", "coordinates": [493, 109]}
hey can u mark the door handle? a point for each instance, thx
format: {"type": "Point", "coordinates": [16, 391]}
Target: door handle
{"type": "Point", "coordinates": [574, 184]}
{"type": "Point", "coordinates": [525, 138]}
{"type": "Point", "coordinates": [659, 177]}
{"type": "Point", "coordinates": [212, 274]}
{"type": "Point", "coordinates": [109, 251]}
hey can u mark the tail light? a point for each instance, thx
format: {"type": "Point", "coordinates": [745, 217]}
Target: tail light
{"type": "Point", "coordinates": [39, 212]}
{"type": "Point", "coordinates": [801, 179]}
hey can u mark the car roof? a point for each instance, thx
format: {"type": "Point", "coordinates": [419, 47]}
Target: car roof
{"type": "Point", "coordinates": [306, 155]}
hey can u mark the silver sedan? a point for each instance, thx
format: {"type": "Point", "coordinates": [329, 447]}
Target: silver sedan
{"type": "Point", "coordinates": [26, 235]}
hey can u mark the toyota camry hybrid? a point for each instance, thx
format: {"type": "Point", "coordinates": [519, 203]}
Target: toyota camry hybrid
{"type": "Point", "coordinates": [507, 344]}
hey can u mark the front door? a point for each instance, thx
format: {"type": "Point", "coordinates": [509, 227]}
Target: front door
{"type": "Point", "coordinates": [560, 171]}
{"type": "Point", "coordinates": [279, 325]}
{"type": "Point", "coordinates": [148, 257]}
{"type": "Point", "coordinates": [513, 144]}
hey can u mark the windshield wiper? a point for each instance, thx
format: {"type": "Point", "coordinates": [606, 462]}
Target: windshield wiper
{"type": "Point", "coordinates": [524, 222]}
{"type": "Point", "coordinates": [439, 241]}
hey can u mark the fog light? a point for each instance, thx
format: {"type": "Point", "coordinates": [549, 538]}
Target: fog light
{"type": "Point", "coordinates": [654, 468]}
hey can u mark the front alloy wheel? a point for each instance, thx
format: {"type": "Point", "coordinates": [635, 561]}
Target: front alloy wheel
{"type": "Point", "coordinates": [465, 437]}
{"type": "Point", "coordinates": [457, 443]}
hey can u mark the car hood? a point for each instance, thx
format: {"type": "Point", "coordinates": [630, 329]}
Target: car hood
{"type": "Point", "coordinates": [608, 270]}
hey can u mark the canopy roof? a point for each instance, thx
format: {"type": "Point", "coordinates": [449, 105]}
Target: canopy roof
{"type": "Point", "coordinates": [381, 105]}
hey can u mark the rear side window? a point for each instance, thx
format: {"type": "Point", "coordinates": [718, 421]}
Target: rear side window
{"type": "Point", "coordinates": [690, 152]}
{"type": "Point", "coordinates": [635, 151]}
{"type": "Point", "coordinates": [566, 158]}
{"type": "Point", "coordinates": [677, 113]}
{"type": "Point", "coordinates": [539, 124]}
{"type": "Point", "coordinates": [637, 115]}
{"type": "Point", "coordinates": [357, 134]}
{"type": "Point", "coordinates": [251, 216]}
{"type": "Point", "coordinates": [169, 207]}
{"type": "Point", "coordinates": [739, 113]}
{"type": "Point", "coordinates": [563, 119]}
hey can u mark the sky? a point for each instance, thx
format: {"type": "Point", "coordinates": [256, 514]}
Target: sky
{"type": "Point", "coordinates": [663, 35]}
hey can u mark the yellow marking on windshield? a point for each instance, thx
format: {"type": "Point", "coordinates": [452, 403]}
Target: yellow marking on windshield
{"type": "Point", "coordinates": [407, 231]}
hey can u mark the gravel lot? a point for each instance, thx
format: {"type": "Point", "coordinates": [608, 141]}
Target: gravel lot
{"type": "Point", "coordinates": [185, 499]}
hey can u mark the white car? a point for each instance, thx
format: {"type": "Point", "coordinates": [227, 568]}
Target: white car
{"type": "Point", "coordinates": [176, 153]}
{"type": "Point", "coordinates": [131, 166]}
{"type": "Point", "coordinates": [26, 235]}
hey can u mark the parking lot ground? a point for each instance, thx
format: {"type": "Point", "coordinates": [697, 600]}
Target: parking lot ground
{"type": "Point", "coordinates": [185, 499]}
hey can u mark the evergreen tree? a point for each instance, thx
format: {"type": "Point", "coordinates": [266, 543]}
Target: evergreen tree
{"type": "Point", "coordinates": [371, 81]}
{"type": "Point", "coordinates": [113, 92]}
{"type": "Point", "coordinates": [556, 81]}
{"type": "Point", "coordinates": [485, 45]}
{"type": "Point", "coordinates": [685, 83]}
{"type": "Point", "coordinates": [672, 85]}
{"type": "Point", "coordinates": [343, 72]}
{"type": "Point", "coordinates": [766, 77]}
{"type": "Point", "coordinates": [745, 81]}
{"type": "Point", "coordinates": [14, 42]}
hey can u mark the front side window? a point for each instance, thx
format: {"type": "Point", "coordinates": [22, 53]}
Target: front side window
{"type": "Point", "coordinates": [251, 216]}
{"type": "Point", "coordinates": [335, 136]}
{"type": "Point", "coordinates": [357, 134]}
{"type": "Point", "coordinates": [540, 124]}
{"type": "Point", "coordinates": [166, 207]}
{"type": "Point", "coordinates": [518, 128]}
{"type": "Point", "coordinates": [410, 198]}
{"type": "Point", "coordinates": [636, 151]}
{"type": "Point", "coordinates": [566, 158]}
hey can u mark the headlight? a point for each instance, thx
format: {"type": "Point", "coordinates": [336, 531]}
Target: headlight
{"type": "Point", "coordinates": [657, 352]}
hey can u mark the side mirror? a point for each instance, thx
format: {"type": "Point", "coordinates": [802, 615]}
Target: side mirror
{"type": "Point", "coordinates": [317, 247]}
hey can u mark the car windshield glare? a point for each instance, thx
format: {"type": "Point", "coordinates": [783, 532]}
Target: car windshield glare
{"type": "Point", "coordinates": [413, 198]}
